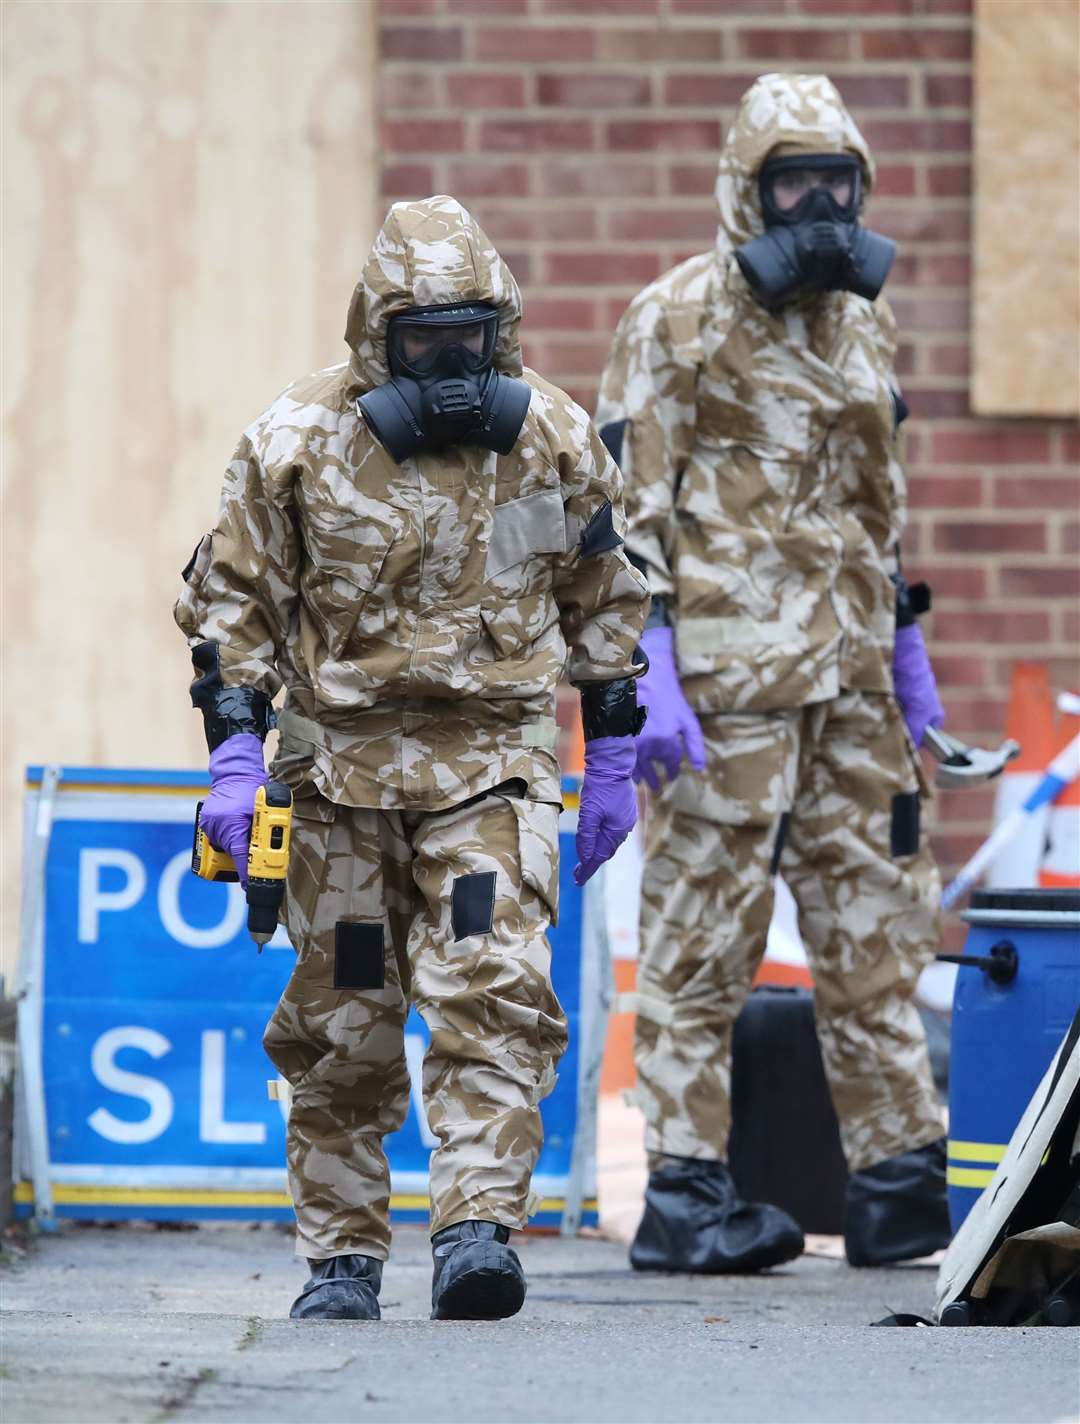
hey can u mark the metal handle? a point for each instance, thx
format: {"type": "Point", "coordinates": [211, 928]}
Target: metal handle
{"type": "Point", "coordinates": [1001, 963]}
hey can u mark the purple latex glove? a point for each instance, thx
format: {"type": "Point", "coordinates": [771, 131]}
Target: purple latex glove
{"type": "Point", "coordinates": [608, 810]}
{"type": "Point", "coordinates": [672, 726]}
{"type": "Point", "coordinates": [913, 680]}
{"type": "Point", "coordinates": [236, 773]}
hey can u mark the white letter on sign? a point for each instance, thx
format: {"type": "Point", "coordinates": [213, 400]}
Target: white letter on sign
{"type": "Point", "coordinates": [92, 899]}
{"type": "Point", "coordinates": [133, 1085]}
{"type": "Point", "coordinates": [178, 928]}
{"type": "Point", "coordinates": [212, 1124]}
{"type": "Point", "coordinates": [414, 1058]}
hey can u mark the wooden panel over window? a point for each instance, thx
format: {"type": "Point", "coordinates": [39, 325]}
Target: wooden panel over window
{"type": "Point", "coordinates": [1027, 208]}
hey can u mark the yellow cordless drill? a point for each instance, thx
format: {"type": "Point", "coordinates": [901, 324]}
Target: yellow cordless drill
{"type": "Point", "coordinates": [268, 858]}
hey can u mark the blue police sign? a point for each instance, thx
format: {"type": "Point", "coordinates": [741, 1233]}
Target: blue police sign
{"type": "Point", "coordinates": [151, 1002]}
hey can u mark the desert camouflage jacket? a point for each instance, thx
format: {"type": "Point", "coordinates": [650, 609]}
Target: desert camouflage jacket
{"type": "Point", "coordinates": [418, 615]}
{"type": "Point", "coordinates": [764, 488]}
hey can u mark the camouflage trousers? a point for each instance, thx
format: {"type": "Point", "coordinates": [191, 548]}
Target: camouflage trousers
{"type": "Point", "coordinates": [830, 795]}
{"type": "Point", "coordinates": [448, 910]}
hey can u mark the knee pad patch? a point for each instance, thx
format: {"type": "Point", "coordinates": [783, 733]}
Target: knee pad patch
{"type": "Point", "coordinates": [472, 905]}
{"type": "Point", "coordinates": [359, 956]}
{"type": "Point", "coordinates": [904, 833]}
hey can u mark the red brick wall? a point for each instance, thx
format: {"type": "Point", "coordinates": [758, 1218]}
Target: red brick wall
{"type": "Point", "coordinates": [584, 135]}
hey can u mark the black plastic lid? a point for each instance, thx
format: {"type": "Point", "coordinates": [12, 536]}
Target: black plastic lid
{"type": "Point", "coordinates": [1049, 899]}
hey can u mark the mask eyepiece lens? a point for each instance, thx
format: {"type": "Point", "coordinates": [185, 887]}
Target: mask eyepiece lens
{"type": "Point", "coordinates": [791, 187]}
{"type": "Point", "coordinates": [424, 342]}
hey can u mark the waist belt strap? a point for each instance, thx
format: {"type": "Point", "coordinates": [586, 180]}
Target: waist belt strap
{"type": "Point", "coordinates": [294, 728]}
{"type": "Point", "coordinates": [543, 732]}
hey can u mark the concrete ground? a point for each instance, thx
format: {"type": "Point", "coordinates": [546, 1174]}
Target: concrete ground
{"type": "Point", "coordinates": [148, 1325]}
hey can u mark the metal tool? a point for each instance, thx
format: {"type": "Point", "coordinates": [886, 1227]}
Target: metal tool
{"type": "Point", "coordinates": [268, 858]}
{"type": "Point", "coordinates": [960, 765]}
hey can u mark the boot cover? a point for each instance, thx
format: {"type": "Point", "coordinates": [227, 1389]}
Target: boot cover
{"type": "Point", "coordinates": [898, 1209]}
{"type": "Point", "coordinates": [694, 1221]}
{"type": "Point", "coordinates": [341, 1288]}
{"type": "Point", "coordinates": [477, 1275]}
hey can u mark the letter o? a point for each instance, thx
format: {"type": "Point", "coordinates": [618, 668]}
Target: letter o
{"type": "Point", "coordinates": [210, 937]}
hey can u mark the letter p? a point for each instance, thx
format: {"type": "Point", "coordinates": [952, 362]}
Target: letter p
{"type": "Point", "coordinates": [93, 899]}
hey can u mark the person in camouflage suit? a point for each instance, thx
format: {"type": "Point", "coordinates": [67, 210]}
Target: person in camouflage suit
{"type": "Point", "coordinates": [418, 615]}
{"type": "Point", "coordinates": [766, 500]}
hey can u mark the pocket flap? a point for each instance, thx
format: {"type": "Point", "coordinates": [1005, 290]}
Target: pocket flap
{"type": "Point", "coordinates": [535, 524]}
{"type": "Point", "coordinates": [358, 567]}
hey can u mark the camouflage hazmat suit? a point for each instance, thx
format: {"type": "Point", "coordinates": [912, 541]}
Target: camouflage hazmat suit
{"type": "Point", "coordinates": [766, 500]}
{"type": "Point", "coordinates": [418, 617]}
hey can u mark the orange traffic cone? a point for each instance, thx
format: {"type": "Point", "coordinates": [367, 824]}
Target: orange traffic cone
{"type": "Point", "coordinates": [1030, 721]}
{"type": "Point", "coordinates": [1060, 868]}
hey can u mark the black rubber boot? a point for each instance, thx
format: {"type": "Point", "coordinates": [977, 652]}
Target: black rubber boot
{"type": "Point", "coordinates": [695, 1222]}
{"type": "Point", "coordinates": [341, 1288]}
{"type": "Point", "coordinates": [898, 1209]}
{"type": "Point", "coordinates": [477, 1275]}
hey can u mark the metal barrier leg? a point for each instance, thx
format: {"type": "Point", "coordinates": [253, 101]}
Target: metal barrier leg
{"type": "Point", "coordinates": [30, 987]}
{"type": "Point", "coordinates": [597, 994]}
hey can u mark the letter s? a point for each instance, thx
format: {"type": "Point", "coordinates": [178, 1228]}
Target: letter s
{"type": "Point", "coordinates": [135, 1085]}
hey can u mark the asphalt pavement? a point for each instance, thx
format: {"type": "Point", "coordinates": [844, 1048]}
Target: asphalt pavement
{"type": "Point", "coordinates": [142, 1324]}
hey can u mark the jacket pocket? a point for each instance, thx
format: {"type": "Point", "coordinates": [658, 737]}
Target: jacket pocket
{"type": "Point", "coordinates": [305, 908]}
{"type": "Point", "coordinates": [336, 591]}
{"type": "Point", "coordinates": [517, 606]}
{"type": "Point", "coordinates": [514, 628]}
{"type": "Point", "coordinates": [538, 848]}
{"type": "Point", "coordinates": [524, 528]}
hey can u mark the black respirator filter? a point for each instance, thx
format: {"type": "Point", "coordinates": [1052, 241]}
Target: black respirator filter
{"type": "Point", "coordinates": [872, 257]}
{"type": "Point", "coordinates": [410, 419]}
{"type": "Point", "coordinates": [394, 415]}
{"type": "Point", "coordinates": [817, 256]}
{"type": "Point", "coordinates": [505, 406]}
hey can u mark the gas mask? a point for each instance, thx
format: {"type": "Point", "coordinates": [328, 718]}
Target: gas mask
{"type": "Point", "coordinates": [813, 241]}
{"type": "Point", "coordinates": [443, 390]}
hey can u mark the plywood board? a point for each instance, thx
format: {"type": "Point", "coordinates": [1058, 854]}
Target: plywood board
{"type": "Point", "coordinates": [1027, 208]}
{"type": "Point", "coordinates": [189, 194]}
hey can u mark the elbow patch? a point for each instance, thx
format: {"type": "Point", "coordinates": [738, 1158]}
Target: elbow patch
{"type": "Point", "coordinates": [599, 536]}
{"type": "Point", "coordinates": [612, 435]}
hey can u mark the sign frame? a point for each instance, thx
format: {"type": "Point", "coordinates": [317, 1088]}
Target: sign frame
{"type": "Point", "coordinates": [50, 1190]}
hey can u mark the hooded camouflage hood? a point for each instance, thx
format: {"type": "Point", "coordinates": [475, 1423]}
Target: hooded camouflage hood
{"type": "Point", "coordinates": [429, 253]}
{"type": "Point", "coordinates": [790, 112]}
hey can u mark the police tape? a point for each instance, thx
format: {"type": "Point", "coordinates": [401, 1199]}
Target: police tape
{"type": "Point", "coordinates": [1064, 769]}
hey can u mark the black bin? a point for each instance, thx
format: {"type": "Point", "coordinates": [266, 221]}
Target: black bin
{"type": "Point", "coordinates": [784, 1146]}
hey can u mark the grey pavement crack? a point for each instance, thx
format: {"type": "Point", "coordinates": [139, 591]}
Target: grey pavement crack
{"type": "Point", "coordinates": [251, 1333]}
{"type": "Point", "coordinates": [181, 1396]}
